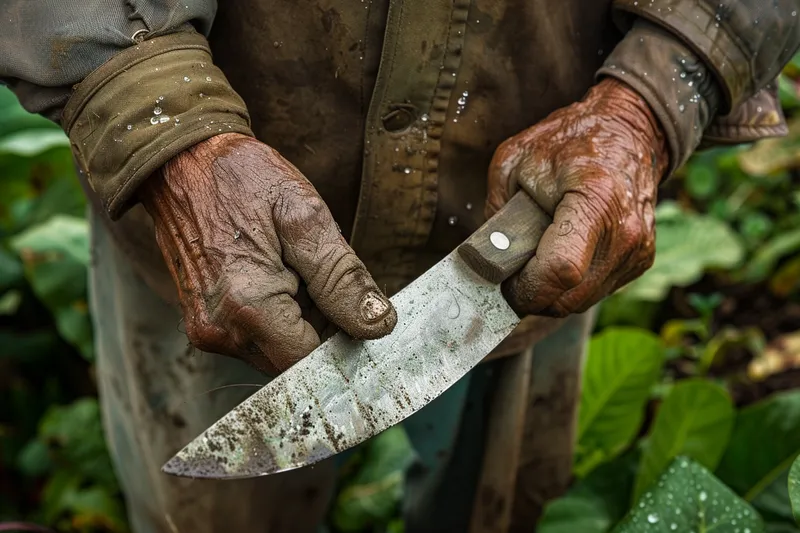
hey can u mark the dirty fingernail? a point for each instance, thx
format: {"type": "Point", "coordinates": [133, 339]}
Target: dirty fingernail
{"type": "Point", "coordinates": [373, 306]}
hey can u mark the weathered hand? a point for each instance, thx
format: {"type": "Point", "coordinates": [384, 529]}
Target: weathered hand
{"type": "Point", "coordinates": [595, 167]}
{"type": "Point", "coordinates": [239, 226]}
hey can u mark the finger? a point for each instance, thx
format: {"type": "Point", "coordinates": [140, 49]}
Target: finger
{"type": "Point", "coordinates": [281, 335]}
{"type": "Point", "coordinates": [262, 321]}
{"type": "Point", "coordinates": [562, 262]}
{"type": "Point", "coordinates": [616, 263]}
{"type": "Point", "coordinates": [337, 280]}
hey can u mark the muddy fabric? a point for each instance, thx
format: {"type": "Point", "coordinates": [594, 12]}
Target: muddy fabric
{"type": "Point", "coordinates": [156, 394]}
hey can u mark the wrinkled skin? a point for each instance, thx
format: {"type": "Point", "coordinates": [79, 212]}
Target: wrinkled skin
{"type": "Point", "coordinates": [595, 167]}
{"type": "Point", "coordinates": [240, 227]}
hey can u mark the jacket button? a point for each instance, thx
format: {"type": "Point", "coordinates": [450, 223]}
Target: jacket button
{"type": "Point", "coordinates": [399, 117]}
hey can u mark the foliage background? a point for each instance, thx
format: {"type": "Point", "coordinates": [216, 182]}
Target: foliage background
{"type": "Point", "coordinates": [690, 416]}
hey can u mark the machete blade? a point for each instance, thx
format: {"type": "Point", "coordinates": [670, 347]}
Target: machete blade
{"type": "Point", "coordinates": [347, 391]}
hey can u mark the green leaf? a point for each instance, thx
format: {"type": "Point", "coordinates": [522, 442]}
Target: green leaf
{"type": "Point", "coordinates": [764, 443]}
{"type": "Point", "coordinates": [9, 302]}
{"type": "Point", "coordinates": [622, 366]}
{"type": "Point", "coordinates": [55, 256]}
{"type": "Point", "coordinates": [29, 143]}
{"type": "Point", "coordinates": [767, 256]}
{"type": "Point", "coordinates": [94, 509]}
{"type": "Point", "coordinates": [694, 420]}
{"type": "Point", "coordinates": [794, 489]}
{"type": "Point", "coordinates": [10, 270]}
{"type": "Point", "coordinates": [372, 496]}
{"type": "Point", "coordinates": [688, 498]}
{"type": "Point", "coordinates": [773, 503]}
{"type": "Point", "coordinates": [74, 435]}
{"type": "Point", "coordinates": [34, 459]}
{"type": "Point", "coordinates": [595, 503]}
{"type": "Point", "coordinates": [702, 180]}
{"type": "Point", "coordinates": [687, 244]}
{"type": "Point", "coordinates": [66, 501]}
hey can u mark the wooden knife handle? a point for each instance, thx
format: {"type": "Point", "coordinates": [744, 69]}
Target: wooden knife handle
{"type": "Point", "coordinates": [507, 240]}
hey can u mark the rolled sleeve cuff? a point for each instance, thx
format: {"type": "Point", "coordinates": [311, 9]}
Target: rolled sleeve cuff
{"type": "Point", "coordinates": [697, 24]}
{"type": "Point", "coordinates": [143, 107]}
{"type": "Point", "coordinates": [672, 80]}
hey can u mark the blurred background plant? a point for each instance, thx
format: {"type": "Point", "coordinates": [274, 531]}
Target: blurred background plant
{"type": "Point", "coordinates": [690, 411]}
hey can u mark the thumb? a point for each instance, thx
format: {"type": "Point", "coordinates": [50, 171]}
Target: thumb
{"type": "Point", "coordinates": [337, 280]}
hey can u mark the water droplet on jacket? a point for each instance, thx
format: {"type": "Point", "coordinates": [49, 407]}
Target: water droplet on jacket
{"type": "Point", "coordinates": [187, 78]}
{"type": "Point", "coordinates": [469, 207]}
{"type": "Point", "coordinates": [652, 518]}
{"type": "Point", "coordinates": [424, 118]}
{"type": "Point", "coordinates": [163, 119]}
{"type": "Point", "coordinates": [276, 44]}
{"type": "Point", "coordinates": [237, 234]}
{"type": "Point", "coordinates": [407, 170]}
{"type": "Point", "coordinates": [681, 108]}
{"type": "Point", "coordinates": [157, 110]}
{"type": "Point", "coordinates": [683, 74]}
{"type": "Point", "coordinates": [129, 127]}
{"type": "Point", "coordinates": [153, 120]}
{"type": "Point", "coordinates": [452, 221]}
{"type": "Point", "coordinates": [208, 78]}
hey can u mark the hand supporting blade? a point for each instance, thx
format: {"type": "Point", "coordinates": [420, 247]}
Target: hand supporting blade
{"type": "Point", "coordinates": [347, 391]}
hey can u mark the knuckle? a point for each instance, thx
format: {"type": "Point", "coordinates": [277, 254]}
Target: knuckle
{"type": "Point", "coordinates": [202, 335]}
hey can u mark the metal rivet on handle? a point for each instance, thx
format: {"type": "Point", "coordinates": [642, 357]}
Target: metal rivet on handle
{"type": "Point", "coordinates": [499, 240]}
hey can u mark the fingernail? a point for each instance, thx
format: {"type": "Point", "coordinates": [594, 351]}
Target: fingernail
{"type": "Point", "coordinates": [373, 306]}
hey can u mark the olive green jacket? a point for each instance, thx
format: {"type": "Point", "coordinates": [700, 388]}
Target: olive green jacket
{"type": "Point", "coordinates": [392, 108]}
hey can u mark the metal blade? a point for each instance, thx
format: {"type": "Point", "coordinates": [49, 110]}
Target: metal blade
{"type": "Point", "coordinates": [347, 391]}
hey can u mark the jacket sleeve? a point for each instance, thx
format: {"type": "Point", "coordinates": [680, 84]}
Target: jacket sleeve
{"type": "Point", "coordinates": [132, 82]}
{"type": "Point", "coordinates": [707, 67]}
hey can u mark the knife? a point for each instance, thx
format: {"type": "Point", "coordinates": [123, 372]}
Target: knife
{"type": "Point", "coordinates": [347, 391]}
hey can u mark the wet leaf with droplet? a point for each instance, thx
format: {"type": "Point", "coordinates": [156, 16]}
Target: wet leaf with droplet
{"type": "Point", "coordinates": [694, 420]}
{"type": "Point", "coordinates": [688, 498]}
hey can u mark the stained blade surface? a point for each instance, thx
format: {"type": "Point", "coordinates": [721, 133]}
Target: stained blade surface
{"type": "Point", "coordinates": [347, 391]}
